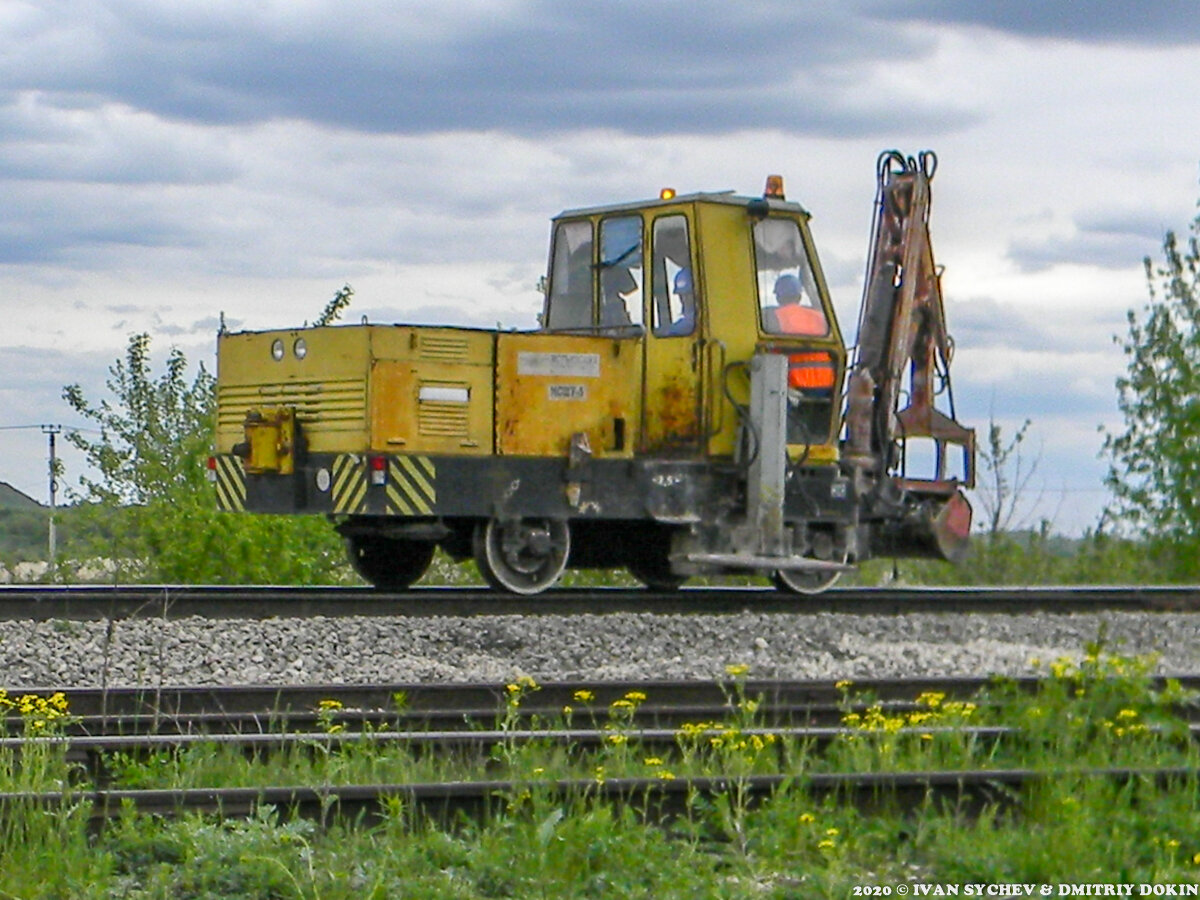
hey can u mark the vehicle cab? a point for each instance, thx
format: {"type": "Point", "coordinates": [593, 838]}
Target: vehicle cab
{"type": "Point", "coordinates": [698, 284]}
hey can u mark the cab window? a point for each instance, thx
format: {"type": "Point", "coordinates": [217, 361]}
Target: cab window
{"type": "Point", "coordinates": [569, 305]}
{"type": "Point", "coordinates": [673, 311]}
{"type": "Point", "coordinates": [787, 292]}
{"type": "Point", "coordinates": [620, 272]}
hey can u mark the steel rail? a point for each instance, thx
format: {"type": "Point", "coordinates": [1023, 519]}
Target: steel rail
{"type": "Point", "coordinates": [91, 751]}
{"type": "Point", "coordinates": [81, 745]}
{"type": "Point", "coordinates": [108, 603]}
{"type": "Point", "coordinates": [654, 797]}
{"type": "Point", "coordinates": [462, 706]}
{"type": "Point", "coordinates": [459, 705]}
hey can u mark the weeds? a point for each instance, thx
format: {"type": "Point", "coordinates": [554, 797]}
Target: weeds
{"type": "Point", "coordinates": [1100, 709]}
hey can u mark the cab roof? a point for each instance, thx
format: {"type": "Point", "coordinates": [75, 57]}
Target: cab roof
{"type": "Point", "coordinates": [727, 198]}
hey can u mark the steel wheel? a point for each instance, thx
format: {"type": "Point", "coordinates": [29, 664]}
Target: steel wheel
{"type": "Point", "coordinates": [390, 564]}
{"type": "Point", "coordinates": [796, 581]}
{"type": "Point", "coordinates": [523, 556]}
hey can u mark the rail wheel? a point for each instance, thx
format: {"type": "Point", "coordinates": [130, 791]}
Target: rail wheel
{"type": "Point", "coordinates": [797, 581]}
{"type": "Point", "coordinates": [523, 556]}
{"type": "Point", "coordinates": [390, 564]}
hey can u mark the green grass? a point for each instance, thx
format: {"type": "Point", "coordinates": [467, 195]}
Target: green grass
{"type": "Point", "coordinates": [1095, 710]}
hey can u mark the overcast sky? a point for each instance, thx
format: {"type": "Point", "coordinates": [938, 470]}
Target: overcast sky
{"type": "Point", "coordinates": [164, 163]}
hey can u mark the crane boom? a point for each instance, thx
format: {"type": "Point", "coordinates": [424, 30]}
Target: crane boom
{"type": "Point", "coordinates": [904, 351]}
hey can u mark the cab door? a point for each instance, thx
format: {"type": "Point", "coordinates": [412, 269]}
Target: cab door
{"type": "Point", "coordinates": [672, 423]}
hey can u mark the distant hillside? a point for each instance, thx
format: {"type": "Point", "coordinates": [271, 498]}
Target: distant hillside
{"type": "Point", "coordinates": [11, 498]}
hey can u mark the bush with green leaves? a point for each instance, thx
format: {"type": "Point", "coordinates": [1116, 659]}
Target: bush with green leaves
{"type": "Point", "coordinates": [1154, 471]}
{"type": "Point", "coordinates": [145, 503]}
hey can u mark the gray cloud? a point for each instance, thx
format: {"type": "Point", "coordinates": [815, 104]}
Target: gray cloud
{"type": "Point", "coordinates": [984, 323]}
{"type": "Point", "coordinates": [1019, 395]}
{"type": "Point", "coordinates": [531, 67]}
{"type": "Point", "coordinates": [1109, 239]}
{"type": "Point", "coordinates": [1169, 22]}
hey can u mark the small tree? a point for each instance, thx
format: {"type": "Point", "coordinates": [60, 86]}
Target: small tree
{"type": "Point", "coordinates": [334, 308]}
{"type": "Point", "coordinates": [151, 433]}
{"type": "Point", "coordinates": [1154, 471]}
{"type": "Point", "coordinates": [1004, 479]}
{"type": "Point", "coordinates": [149, 507]}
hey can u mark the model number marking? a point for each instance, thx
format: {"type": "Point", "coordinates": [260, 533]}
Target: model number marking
{"type": "Point", "coordinates": [567, 391]}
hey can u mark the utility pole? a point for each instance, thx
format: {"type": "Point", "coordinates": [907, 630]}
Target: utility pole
{"type": "Point", "coordinates": [51, 431]}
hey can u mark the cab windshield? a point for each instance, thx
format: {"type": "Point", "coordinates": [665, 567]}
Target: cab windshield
{"type": "Point", "coordinates": [788, 300]}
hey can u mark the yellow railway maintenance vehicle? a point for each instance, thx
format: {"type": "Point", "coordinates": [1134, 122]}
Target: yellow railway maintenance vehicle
{"type": "Point", "coordinates": [686, 407]}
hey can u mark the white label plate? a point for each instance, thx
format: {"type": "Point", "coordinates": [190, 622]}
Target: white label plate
{"type": "Point", "coordinates": [576, 365]}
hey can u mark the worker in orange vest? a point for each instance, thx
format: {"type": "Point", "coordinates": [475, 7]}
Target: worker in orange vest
{"type": "Point", "coordinates": [793, 316]}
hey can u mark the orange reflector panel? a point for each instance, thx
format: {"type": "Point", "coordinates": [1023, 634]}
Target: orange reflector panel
{"type": "Point", "coordinates": [810, 370]}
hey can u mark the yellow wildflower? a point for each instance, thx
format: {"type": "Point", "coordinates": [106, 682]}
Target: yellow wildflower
{"type": "Point", "coordinates": [652, 761]}
{"type": "Point", "coordinates": [635, 696]}
{"type": "Point", "coordinates": [617, 739]}
{"type": "Point", "coordinates": [665, 775]}
{"type": "Point", "coordinates": [736, 670]}
{"type": "Point", "coordinates": [809, 818]}
{"type": "Point", "coordinates": [329, 704]}
{"type": "Point", "coordinates": [583, 696]}
{"type": "Point", "coordinates": [844, 684]}
{"type": "Point", "coordinates": [825, 845]}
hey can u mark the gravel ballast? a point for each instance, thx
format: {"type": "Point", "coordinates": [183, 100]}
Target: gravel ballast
{"type": "Point", "coordinates": [319, 650]}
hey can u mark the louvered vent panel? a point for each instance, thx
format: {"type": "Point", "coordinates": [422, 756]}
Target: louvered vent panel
{"type": "Point", "coordinates": [318, 404]}
{"type": "Point", "coordinates": [442, 419]}
{"type": "Point", "coordinates": [442, 348]}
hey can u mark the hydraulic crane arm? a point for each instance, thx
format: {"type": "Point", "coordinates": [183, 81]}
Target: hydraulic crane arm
{"type": "Point", "coordinates": [904, 349]}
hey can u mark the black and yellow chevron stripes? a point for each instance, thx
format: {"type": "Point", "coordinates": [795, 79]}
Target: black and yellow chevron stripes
{"type": "Point", "coordinates": [230, 484]}
{"type": "Point", "coordinates": [349, 483]}
{"type": "Point", "coordinates": [411, 487]}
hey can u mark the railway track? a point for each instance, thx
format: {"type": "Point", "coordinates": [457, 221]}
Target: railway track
{"type": "Point", "coordinates": [966, 790]}
{"type": "Point", "coordinates": [456, 706]}
{"type": "Point", "coordinates": [468, 720]}
{"type": "Point", "coordinates": [94, 602]}
{"type": "Point", "coordinates": [183, 709]}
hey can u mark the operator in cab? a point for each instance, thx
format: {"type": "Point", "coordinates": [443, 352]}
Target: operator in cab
{"type": "Point", "coordinates": [791, 315]}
